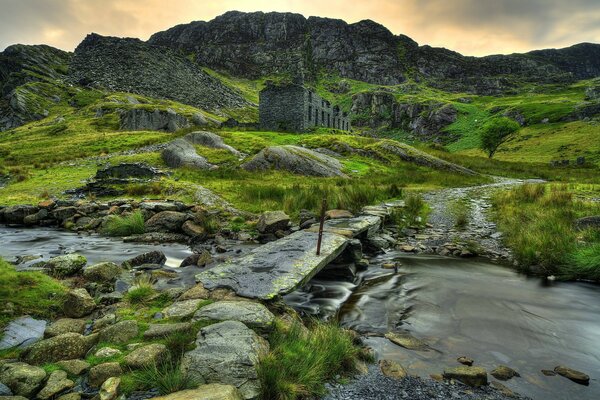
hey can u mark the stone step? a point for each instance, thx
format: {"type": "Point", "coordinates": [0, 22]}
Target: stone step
{"type": "Point", "coordinates": [350, 227]}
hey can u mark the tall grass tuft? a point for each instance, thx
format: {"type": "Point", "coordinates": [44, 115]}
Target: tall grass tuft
{"type": "Point", "coordinates": [130, 224]}
{"type": "Point", "coordinates": [167, 377]}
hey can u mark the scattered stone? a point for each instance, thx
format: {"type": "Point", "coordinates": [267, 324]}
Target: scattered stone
{"type": "Point", "coordinates": [548, 372]}
{"type": "Point", "coordinates": [194, 230]}
{"type": "Point", "coordinates": [572, 374]}
{"type": "Point", "coordinates": [101, 372]}
{"type": "Point", "coordinates": [110, 388]}
{"type": "Point", "coordinates": [503, 389]}
{"type": "Point", "coordinates": [78, 303]}
{"type": "Point", "coordinates": [407, 341]}
{"type": "Point", "coordinates": [196, 292]}
{"type": "Point", "coordinates": [67, 346]}
{"type": "Point", "coordinates": [57, 383]}
{"type": "Point", "coordinates": [336, 214]}
{"type": "Point", "coordinates": [272, 221]}
{"type": "Point", "coordinates": [214, 391]}
{"type": "Point", "coordinates": [227, 352]}
{"type": "Point", "coordinates": [151, 257]}
{"type": "Point", "coordinates": [408, 249]}
{"type": "Point", "coordinates": [152, 354]}
{"type": "Point", "coordinates": [22, 379]}
{"type": "Point", "coordinates": [166, 221]}
{"type": "Point", "coordinates": [74, 367]}
{"type": "Point", "coordinates": [22, 332]}
{"type": "Point", "coordinates": [392, 369]}
{"type": "Point", "coordinates": [155, 331]}
{"type": "Point", "coordinates": [103, 272]}
{"type": "Point", "coordinates": [504, 373]}
{"type": "Point", "coordinates": [472, 376]}
{"type": "Point", "coordinates": [66, 265]}
{"type": "Point", "coordinates": [119, 333]}
{"type": "Point", "coordinates": [5, 390]}
{"type": "Point", "coordinates": [464, 360]}
{"type": "Point", "coordinates": [65, 325]}
{"type": "Point", "coordinates": [182, 309]}
{"type": "Point", "coordinates": [103, 322]}
{"type": "Point", "coordinates": [253, 315]}
{"type": "Point", "coordinates": [107, 352]}
{"type": "Point", "coordinates": [70, 396]}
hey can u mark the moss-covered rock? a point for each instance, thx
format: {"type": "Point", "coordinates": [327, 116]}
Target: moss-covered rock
{"type": "Point", "coordinates": [67, 346]}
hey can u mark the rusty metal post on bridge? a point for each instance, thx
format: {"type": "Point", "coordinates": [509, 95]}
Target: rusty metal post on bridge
{"type": "Point", "coordinates": [322, 221]}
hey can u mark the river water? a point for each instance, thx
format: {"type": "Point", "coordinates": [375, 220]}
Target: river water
{"type": "Point", "coordinates": [459, 307]}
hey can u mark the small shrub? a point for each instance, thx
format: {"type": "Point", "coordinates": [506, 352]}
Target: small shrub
{"type": "Point", "coordinates": [180, 342]}
{"type": "Point", "coordinates": [166, 377]}
{"type": "Point", "coordinates": [142, 289]}
{"type": "Point", "coordinates": [125, 225]}
{"type": "Point", "coordinates": [461, 212]}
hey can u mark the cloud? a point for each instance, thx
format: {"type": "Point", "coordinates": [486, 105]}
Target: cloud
{"type": "Point", "coordinates": [473, 27]}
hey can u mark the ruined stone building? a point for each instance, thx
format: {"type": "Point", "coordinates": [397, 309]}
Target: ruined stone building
{"type": "Point", "coordinates": [295, 108]}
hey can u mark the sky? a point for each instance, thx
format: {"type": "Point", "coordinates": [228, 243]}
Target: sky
{"type": "Point", "coordinates": [471, 27]}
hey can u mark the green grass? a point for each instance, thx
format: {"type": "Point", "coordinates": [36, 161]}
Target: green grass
{"type": "Point", "coordinates": [32, 293]}
{"type": "Point", "coordinates": [300, 363]}
{"type": "Point", "coordinates": [127, 225]}
{"type": "Point", "coordinates": [166, 377]}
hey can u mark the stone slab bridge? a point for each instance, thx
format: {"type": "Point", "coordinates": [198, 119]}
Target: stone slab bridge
{"type": "Point", "coordinates": [279, 267]}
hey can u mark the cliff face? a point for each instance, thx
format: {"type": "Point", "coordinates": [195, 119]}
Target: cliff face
{"type": "Point", "coordinates": [131, 65]}
{"type": "Point", "coordinates": [259, 44]}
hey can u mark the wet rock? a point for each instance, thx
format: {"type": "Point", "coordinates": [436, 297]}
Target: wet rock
{"type": "Point", "coordinates": [65, 325]}
{"type": "Point", "coordinates": [194, 230]}
{"type": "Point", "coordinates": [22, 332]}
{"type": "Point", "coordinates": [107, 352]}
{"type": "Point", "coordinates": [182, 309]}
{"type": "Point", "coordinates": [151, 257]}
{"type": "Point", "coordinates": [119, 333]}
{"type": "Point", "coordinates": [465, 360]}
{"type": "Point", "coordinates": [181, 153]}
{"type": "Point", "coordinates": [296, 160]}
{"type": "Point", "coordinates": [78, 303]}
{"type": "Point", "coordinates": [166, 221]}
{"type": "Point", "coordinates": [157, 237]}
{"type": "Point", "coordinates": [102, 272]}
{"type": "Point", "coordinates": [472, 376]}
{"type": "Point", "coordinates": [196, 292]}
{"type": "Point", "coordinates": [145, 356]}
{"type": "Point", "coordinates": [504, 373]}
{"type": "Point", "coordinates": [197, 259]}
{"type": "Point", "coordinates": [228, 353]}
{"type": "Point", "coordinates": [16, 214]}
{"type": "Point", "coordinates": [272, 221]}
{"type": "Point", "coordinates": [110, 389]}
{"type": "Point", "coordinates": [392, 369]}
{"type": "Point", "coordinates": [214, 391]}
{"type": "Point", "coordinates": [66, 265]}
{"type": "Point", "coordinates": [548, 372]}
{"type": "Point", "coordinates": [503, 389]}
{"type": "Point", "coordinates": [22, 379]}
{"type": "Point", "coordinates": [209, 139]}
{"type": "Point", "coordinates": [74, 367]}
{"type": "Point", "coordinates": [57, 383]}
{"type": "Point", "coordinates": [67, 346]}
{"type": "Point", "coordinates": [253, 315]}
{"type": "Point", "coordinates": [572, 374]}
{"type": "Point", "coordinates": [155, 331]}
{"type": "Point", "coordinates": [407, 341]}
{"type": "Point", "coordinates": [101, 372]}
{"type": "Point", "coordinates": [64, 213]}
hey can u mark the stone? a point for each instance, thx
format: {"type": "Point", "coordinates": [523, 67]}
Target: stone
{"type": "Point", "coordinates": [572, 374]}
{"type": "Point", "coordinates": [105, 272]}
{"type": "Point", "coordinates": [194, 230]}
{"type": "Point", "coordinates": [407, 341]}
{"type": "Point", "coordinates": [209, 139]}
{"type": "Point", "coordinates": [166, 221]}
{"type": "Point", "coordinates": [110, 389]}
{"type": "Point", "coordinates": [57, 383]}
{"type": "Point", "coordinates": [5, 390]}
{"type": "Point", "coordinates": [548, 372]}
{"type": "Point", "coordinates": [182, 309]}
{"type": "Point", "coordinates": [352, 227]}
{"type": "Point", "coordinates": [156, 331]}
{"type": "Point", "coordinates": [78, 303]}
{"type": "Point", "coordinates": [464, 360]}
{"type": "Point", "coordinates": [151, 257]}
{"type": "Point", "coordinates": [196, 292]}
{"type": "Point", "coordinates": [275, 268]}
{"type": "Point", "coordinates": [504, 373]}
{"type": "Point", "coordinates": [138, 119]}
{"type": "Point", "coordinates": [119, 333]}
{"type": "Point", "coordinates": [145, 356]}
{"type": "Point", "coordinates": [64, 213]}
{"type": "Point", "coordinates": [336, 214]}
{"type": "Point", "coordinates": [197, 259]}
{"type": "Point", "coordinates": [181, 153]}
{"type": "Point", "coordinates": [296, 160]}
{"type": "Point", "coordinates": [228, 353]}
{"type": "Point", "coordinates": [16, 214]}
{"type": "Point", "coordinates": [213, 391]}
{"type": "Point", "coordinates": [101, 372]}
{"type": "Point", "coordinates": [503, 389]}
{"type": "Point", "coordinates": [62, 347]}
{"type": "Point", "coordinates": [65, 325]}
{"type": "Point", "coordinates": [66, 265]}
{"type": "Point", "coordinates": [472, 376]}
{"type": "Point", "coordinates": [392, 369]}
{"type": "Point", "coordinates": [70, 396]}
{"type": "Point", "coordinates": [22, 379]}
{"type": "Point", "coordinates": [22, 332]}
{"type": "Point", "coordinates": [107, 352]}
{"type": "Point", "coordinates": [74, 367]}
{"type": "Point", "coordinates": [272, 221]}
{"type": "Point", "coordinates": [253, 315]}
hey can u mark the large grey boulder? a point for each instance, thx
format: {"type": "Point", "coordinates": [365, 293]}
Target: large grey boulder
{"type": "Point", "coordinates": [119, 333]}
{"type": "Point", "coordinates": [78, 303]}
{"type": "Point", "coordinates": [65, 325]}
{"type": "Point", "coordinates": [181, 153]}
{"type": "Point", "coordinates": [146, 356]}
{"type": "Point", "coordinates": [22, 379]}
{"type": "Point", "coordinates": [209, 139]}
{"type": "Point", "coordinates": [16, 214]}
{"type": "Point", "coordinates": [22, 332]}
{"type": "Point", "coordinates": [67, 346]}
{"type": "Point", "coordinates": [105, 272]}
{"type": "Point", "coordinates": [296, 160]}
{"type": "Point", "coordinates": [273, 221]}
{"type": "Point", "coordinates": [65, 265]}
{"type": "Point", "coordinates": [253, 315]}
{"type": "Point", "coordinates": [227, 353]}
{"type": "Point", "coordinates": [166, 221]}
{"type": "Point", "coordinates": [139, 119]}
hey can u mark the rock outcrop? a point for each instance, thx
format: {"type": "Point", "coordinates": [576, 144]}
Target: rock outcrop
{"type": "Point", "coordinates": [181, 153]}
{"type": "Point", "coordinates": [296, 160]}
{"type": "Point", "coordinates": [139, 119]}
{"type": "Point", "coordinates": [209, 139]}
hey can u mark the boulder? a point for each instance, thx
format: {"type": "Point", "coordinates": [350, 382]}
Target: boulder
{"type": "Point", "coordinates": [182, 309]}
{"type": "Point", "coordinates": [105, 272]}
{"type": "Point", "coordinates": [336, 214]}
{"type": "Point", "coordinates": [273, 221]}
{"type": "Point", "coordinates": [151, 257]}
{"type": "Point", "coordinates": [67, 346]}
{"type": "Point", "coordinates": [5, 390]}
{"type": "Point", "coordinates": [181, 153]}
{"type": "Point", "coordinates": [228, 353]}
{"type": "Point", "coordinates": [214, 391]}
{"type": "Point", "coordinates": [392, 369]}
{"type": "Point", "coordinates": [145, 356]}
{"type": "Point", "coordinates": [166, 221]}
{"type": "Point", "coordinates": [253, 315]}
{"type": "Point", "coordinates": [22, 332]}
{"type": "Point", "coordinates": [70, 396]}
{"type": "Point", "coordinates": [407, 341]}
{"type": "Point", "coordinates": [16, 214]}
{"type": "Point", "coordinates": [65, 325]}
{"type": "Point", "coordinates": [156, 331]}
{"type": "Point", "coordinates": [209, 139]}
{"type": "Point", "coordinates": [464, 360]}
{"type": "Point", "coordinates": [64, 213]}
{"type": "Point", "coordinates": [110, 389]}
{"type": "Point", "coordinates": [74, 367]}
{"type": "Point", "coordinates": [57, 383]}
{"type": "Point", "coordinates": [101, 372]}
{"type": "Point", "coordinates": [572, 374]}
{"type": "Point", "coordinates": [472, 376]}
{"type": "Point", "coordinates": [107, 352]}
{"type": "Point", "coordinates": [22, 379]}
{"type": "Point", "coordinates": [138, 119]}
{"type": "Point", "coordinates": [504, 373]}
{"type": "Point", "coordinates": [119, 333]}
{"type": "Point", "coordinates": [66, 265]}
{"type": "Point", "coordinates": [194, 230]}
{"type": "Point", "coordinates": [296, 160]}
{"type": "Point", "coordinates": [78, 303]}
{"type": "Point", "coordinates": [196, 292]}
